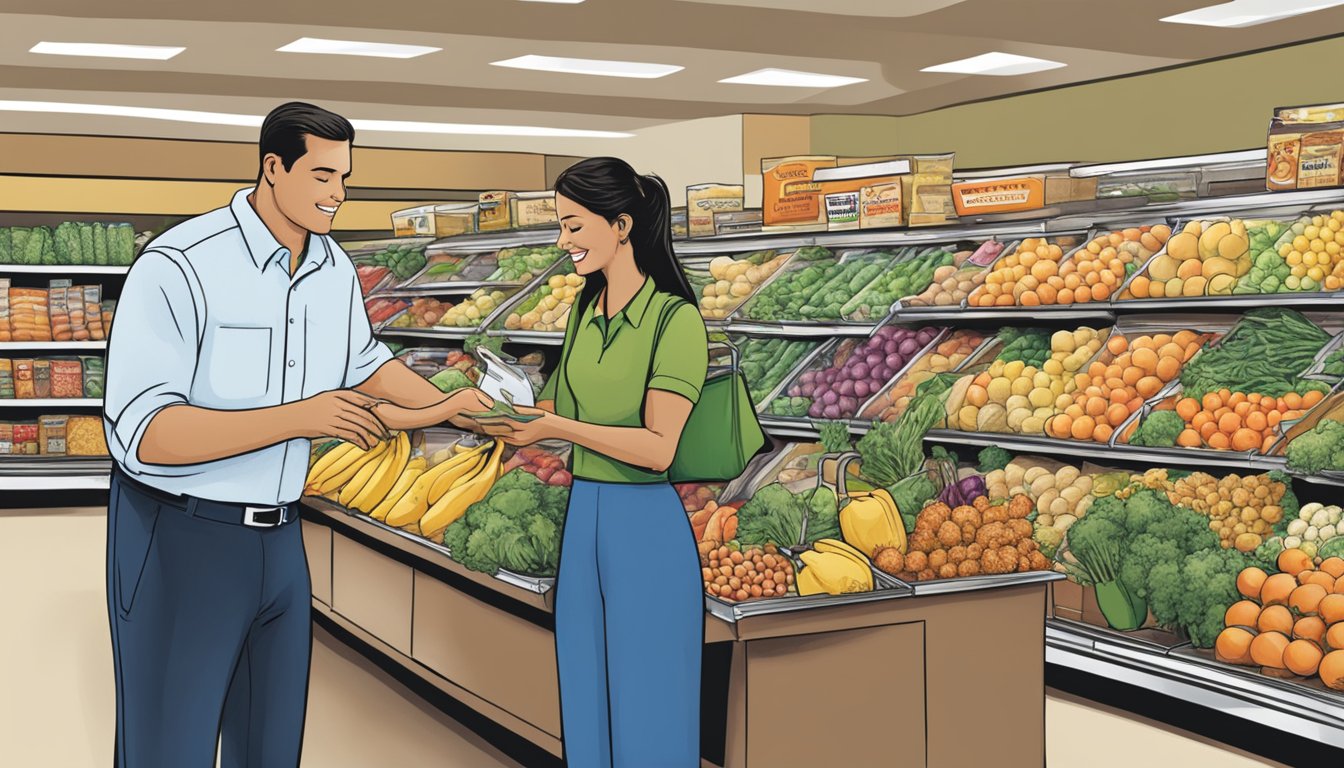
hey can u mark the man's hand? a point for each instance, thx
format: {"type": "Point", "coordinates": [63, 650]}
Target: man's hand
{"type": "Point", "coordinates": [468, 400]}
{"type": "Point", "coordinates": [341, 413]}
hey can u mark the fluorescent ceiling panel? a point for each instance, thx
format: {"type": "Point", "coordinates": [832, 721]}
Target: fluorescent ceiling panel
{"type": "Point", "coordinates": [1248, 13]}
{"type": "Point", "coordinates": [255, 121]}
{"type": "Point", "coordinates": [792, 79]}
{"type": "Point", "coordinates": [597, 67]}
{"type": "Point", "coordinates": [108, 50]}
{"type": "Point", "coordinates": [996, 63]}
{"type": "Point", "coordinates": [357, 48]}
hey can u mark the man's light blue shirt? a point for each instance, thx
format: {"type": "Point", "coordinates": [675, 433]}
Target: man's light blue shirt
{"type": "Point", "coordinates": [211, 317]}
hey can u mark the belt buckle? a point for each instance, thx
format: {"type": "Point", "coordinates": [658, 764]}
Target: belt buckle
{"type": "Point", "coordinates": [250, 516]}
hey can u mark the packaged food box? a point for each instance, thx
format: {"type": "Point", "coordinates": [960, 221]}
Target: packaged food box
{"type": "Point", "coordinates": [42, 379]}
{"type": "Point", "coordinates": [1285, 145]}
{"type": "Point", "coordinates": [880, 206]}
{"type": "Point", "coordinates": [94, 376]}
{"type": "Point", "coordinates": [494, 214]}
{"type": "Point", "coordinates": [928, 190]}
{"type": "Point", "coordinates": [60, 310]}
{"type": "Point", "coordinates": [1006, 195]}
{"type": "Point", "coordinates": [5, 334]}
{"type": "Point", "coordinates": [705, 200]}
{"type": "Point", "coordinates": [51, 435]}
{"type": "Point", "coordinates": [728, 222]}
{"type": "Point", "coordinates": [6, 378]}
{"type": "Point", "coordinates": [29, 318]}
{"type": "Point", "coordinates": [792, 200]}
{"type": "Point", "coordinates": [414, 221]}
{"type": "Point", "coordinates": [109, 308]}
{"type": "Point", "coordinates": [454, 219]}
{"type": "Point", "coordinates": [680, 227]}
{"type": "Point", "coordinates": [79, 327]}
{"type": "Point", "coordinates": [67, 377]}
{"type": "Point", "coordinates": [23, 380]}
{"type": "Point", "coordinates": [6, 438]}
{"type": "Point", "coordinates": [843, 185]}
{"type": "Point", "coordinates": [533, 209]}
{"type": "Point", "coordinates": [25, 438]}
{"type": "Point", "coordinates": [84, 436]}
{"type": "Point", "coordinates": [1318, 165]}
{"type": "Point", "coordinates": [93, 313]}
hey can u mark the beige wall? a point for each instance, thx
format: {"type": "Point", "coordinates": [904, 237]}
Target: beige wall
{"type": "Point", "coordinates": [687, 153]}
{"type": "Point", "coordinates": [1212, 107]}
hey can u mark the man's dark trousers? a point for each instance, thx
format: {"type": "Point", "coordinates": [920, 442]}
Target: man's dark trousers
{"type": "Point", "coordinates": [211, 635]}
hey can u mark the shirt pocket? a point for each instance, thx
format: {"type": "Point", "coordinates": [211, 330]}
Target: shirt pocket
{"type": "Point", "coordinates": [240, 362]}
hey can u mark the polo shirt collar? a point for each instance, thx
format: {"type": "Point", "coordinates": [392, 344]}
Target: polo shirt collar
{"type": "Point", "coordinates": [261, 244]}
{"type": "Point", "coordinates": [634, 311]}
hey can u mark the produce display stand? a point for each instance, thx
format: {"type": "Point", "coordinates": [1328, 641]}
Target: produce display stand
{"type": "Point", "coordinates": [488, 642]}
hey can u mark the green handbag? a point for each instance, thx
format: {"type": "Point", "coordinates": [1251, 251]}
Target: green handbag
{"type": "Point", "coordinates": [721, 435]}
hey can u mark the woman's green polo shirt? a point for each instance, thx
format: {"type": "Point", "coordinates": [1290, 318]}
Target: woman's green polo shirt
{"type": "Point", "coordinates": [608, 368]}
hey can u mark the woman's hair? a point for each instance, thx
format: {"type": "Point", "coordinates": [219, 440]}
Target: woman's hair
{"type": "Point", "coordinates": [609, 187]}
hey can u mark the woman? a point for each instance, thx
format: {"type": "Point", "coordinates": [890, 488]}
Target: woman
{"type": "Point", "coordinates": [629, 614]}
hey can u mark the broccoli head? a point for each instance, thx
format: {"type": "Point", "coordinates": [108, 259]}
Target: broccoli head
{"type": "Point", "coordinates": [1321, 448]}
{"type": "Point", "coordinates": [1166, 590]}
{"type": "Point", "coordinates": [1143, 509]}
{"type": "Point", "coordinates": [993, 457]}
{"type": "Point", "coordinates": [1210, 578]}
{"type": "Point", "coordinates": [1159, 430]}
{"type": "Point", "coordinates": [513, 503]}
{"type": "Point", "coordinates": [1109, 508]}
{"type": "Point", "coordinates": [1146, 551]}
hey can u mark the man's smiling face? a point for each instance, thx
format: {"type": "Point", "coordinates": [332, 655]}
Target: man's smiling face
{"type": "Point", "coordinates": [311, 191]}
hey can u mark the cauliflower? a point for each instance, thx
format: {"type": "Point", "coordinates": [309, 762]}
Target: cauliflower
{"type": "Point", "coordinates": [1048, 539]}
{"type": "Point", "coordinates": [1297, 527]}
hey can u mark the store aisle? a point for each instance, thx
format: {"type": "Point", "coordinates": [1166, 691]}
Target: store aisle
{"type": "Point", "coordinates": [57, 709]}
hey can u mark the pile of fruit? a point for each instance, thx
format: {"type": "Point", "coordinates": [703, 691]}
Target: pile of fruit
{"type": "Point", "coordinates": [815, 286]}
{"type": "Point", "coordinates": [519, 265]}
{"type": "Point", "coordinates": [379, 309]}
{"type": "Point", "coordinates": [370, 276]}
{"type": "Point", "coordinates": [733, 280]}
{"type": "Point", "coordinates": [714, 524]}
{"type": "Point", "coordinates": [1101, 267]}
{"type": "Point", "coordinates": [950, 353]}
{"type": "Point", "coordinates": [1012, 396]}
{"type": "Point", "coordinates": [765, 362]}
{"type": "Point", "coordinates": [544, 465]}
{"type": "Point", "coordinates": [1290, 624]}
{"type": "Point", "coordinates": [951, 285]}
{"type": "Point", "coordinates": [404, 259]}
{"type": "Point", "coordinates": [1235, 421]}
{"type": "Point", "coordinates": [1311, 259]}
{"type": "Point", "coordinates": [1033, 275]}
{"type": "Point", "coordinates": [1029, 345]}
{"type": "Point", "coordinates": [385, 483]}
{"type": "Point", "coordinates": [1203, 259]}
{"type": "Point", "coordinates": [472, 311]}
{"type": "Point", "coordinates": [833, 567]}
{"type": "Point", "coordinates": [970, 540]}
{"type": "Point", "coordinates": [548, 309]}
{"type": "Point", "coordinates": [1062, 496]}
{"type": "Point", "coordinates": [736, 576]}
{"type": "Point", "coordinates": [424, 312]}
{"type": "Point", "coordinates": [859, 370]}
{"type": "Point", "coordinates": [1241, 510]}
{"type": "Point", "coordinates": [1118, 383]}
{"type": "Point", "coordinates": [907, 275]}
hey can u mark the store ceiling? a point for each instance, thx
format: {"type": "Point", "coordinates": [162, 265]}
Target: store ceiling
{"type": "Point", "coordinates": [231, 58]}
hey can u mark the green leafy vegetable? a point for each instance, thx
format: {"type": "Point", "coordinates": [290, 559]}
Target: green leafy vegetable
{"type": "Point", "coordinates": [516, 527]}
{"type": "Point", "coordinates": [1159, 430]}
{"type": "Point", "coordinates": [1321, 448]}
{"type": "Point", "coordinates": [991, 458]}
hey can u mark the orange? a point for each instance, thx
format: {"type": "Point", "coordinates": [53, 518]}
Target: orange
{"type": "Point", "coordinates": [1065, 296]}
{"type": "Point", "coordinates": [1254, 398]}
{"type": "Point", "coordinates": [1030, 299]}
{"type": "Point", "coordinates": [1235, 399]}
{"type": "Point", "coordinates": [1100, 291]}
{"type": "Point", "coordinates": [1146, 359]}
{"type": "Point", "coordinates": [1250, 581]}
{"type": "Point", "coordinates": [1212, 401]}
{"type": "Point", "coordinates": [1119, 397]}
{"type": "Point", "coordinates": [1257, 421]}
{"type": "Point", "coordinates": [1072, 281]}
{"type": "Point", "coordinates": [1189, 439]}
{"type": "Point", "coordinates": [1219, 442]}
{"type": "Point", "coordinates": [1293, 400]}
{"type": "Point", "coordinates": [1082, 295]}
{"type": "Point", "coordinates": [1187, 407]}
{"type": "Point", "coordinates": [1102, 433]}
{"type": "Point", "coordinates": [1116, 415]}
{"type": "Point", "coordinates": [1242, 408]}
{"type": "Point", "coordinates": [1268, 445]}
{"type": "Point", "coordinates": [1096, 370]}
{"type": "Point", "coordinates": [1131, 376]}
{"type": "Point", "coordinates": [1148, 386]}
{"type": "Point", "coordinates": [1062, 425]}
{"type": "Point", "coordinates": [1168, 368]}
{"type": "Point", "coordinates": [1082, 427]}
{"type": "Point", "coordinates": [1275, 618]}
{"type": "Point", "coordinates": [1139, 288]}
{"type": "Point", "coordinates": [1184, 338]}
{"type": "Point", "coordinates": [1229, 423]}
{"type": "Point", "coordinates": [1198, 420]}
{"type": "Point", "coordinates": [1274, 417]}
{"type": "Point", "coordinates": [1294, 561]}
{"type": "Point", "coordinates": [1311, 398]}
{"type": "Point", "coordinates": [1075, 410]}
{"type": "Point", "coordinates": [1095, 407]}
{"type": "Point", "coordinates": [1225, 394]}
{"type": "Point", "coordinates": [1246, 440]}
{"type": "Point", "coordinates": [1208, 430]}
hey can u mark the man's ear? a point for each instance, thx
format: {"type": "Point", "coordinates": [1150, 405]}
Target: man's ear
{"type": "Point", "coordinates": [271, 166]}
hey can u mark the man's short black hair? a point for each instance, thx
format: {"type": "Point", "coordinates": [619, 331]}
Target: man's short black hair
{"type": "Point", "coordinates": [285, 130]}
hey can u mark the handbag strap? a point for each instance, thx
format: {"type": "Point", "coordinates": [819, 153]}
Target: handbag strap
{"type": "Point", "coordinates": [571, 328]}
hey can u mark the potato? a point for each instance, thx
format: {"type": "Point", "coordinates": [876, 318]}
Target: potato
{"type": "Point", "coordinates": [1016, 417]}
{"type": "Point", "coordinates": [1042, 484]}
{"type": "Point", "coordinates": [1066, 475]}
{"type": "Point", "coordinates": [1017, 491]}
{"type": "Point", "coordinates": [1062, 522]}
{"type": "Point", "coordinates": [1033, 425]}
{"type": "Point", "coordinates": [1084, 483]}
{"type": "Point", "coordinates": [1014, 473]}
{"type": "Point", "coordinates": [1044, 501]}
{"type": "Point", "coordinates": [995, 478]}
{"type": "Point", "coordinates": [1031, 474]}
{"type": "Point", "coordinates": [1060, 506]}
{"type": "Point", "coordinates": [1073, 494]}
{"type": "Point", "coordinates": [1045, 520]}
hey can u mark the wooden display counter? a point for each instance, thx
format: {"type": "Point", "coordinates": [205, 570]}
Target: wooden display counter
{"type": "Point", "coordinates": [899, 681]}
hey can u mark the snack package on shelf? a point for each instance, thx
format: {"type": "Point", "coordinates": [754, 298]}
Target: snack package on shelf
{"type": "Point", "coordinates": [6, 379]}
{"type": "Point", "coordinates": [61, 328]}
{"type": "Point", "coordinates": [42, 379]}
{"type": "Point", "coordinates": [95, 369]}
{"type": "Point", "coordinates": [84, 436]}
{"type": "Point", "coordinates": [51, 435]}
{"type": "Point", "coordinates": [24, 389]}
{"type": "Point", "coordinates": [6, 334]}
{"type": "Point", "coordinates": [29, 318]}
{"type": "Point", "coordinates": [109, 308]}
{"type": "Point", "coordinates": [67, 378]}
{"type": "Point", "coordinates": [95, 318]}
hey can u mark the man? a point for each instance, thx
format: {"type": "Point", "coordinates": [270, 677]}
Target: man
{"type": "Point", "coordinates": [240, 335]}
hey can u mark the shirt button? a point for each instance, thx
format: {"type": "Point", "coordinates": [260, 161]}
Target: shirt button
{"type": "Point", "coordinates": [291, 321]}
{"type": "Point", "coordinates": [291, 363]}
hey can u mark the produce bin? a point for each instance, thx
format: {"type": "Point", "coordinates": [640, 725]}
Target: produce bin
{"type": "Point", "coordinates": [948, 354]}
{"type": "Point", "coordinates": [808, 292]}
{"type": "Point", "coordinates": [723, 283]}
{"type": "Point", "coordinates": [769, 364]}
{"type": "Point", "coordinates": [955, 288]}
{"type": "Point", "coordinates": [519, 319]}
{"type": "Point", "coordinates": [513, 267]}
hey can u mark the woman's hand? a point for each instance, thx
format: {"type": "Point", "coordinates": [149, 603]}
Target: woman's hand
{"type": "Point", "coordinates": [517, 433]}
{"type": "Point", "coordinates": [450, 409]}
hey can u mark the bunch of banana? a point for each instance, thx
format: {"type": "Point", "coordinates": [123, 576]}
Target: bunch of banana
{"type": "Point", "coordinates": [338, 466]}
{"type": "Point", "coordinates": [372, 484]}
{"type": "Point", "coordinates": [432, 485]}
{"type": "Point", "coordinates": [834, 568]}
{"type": "Point", "coordinates": [454, 502]}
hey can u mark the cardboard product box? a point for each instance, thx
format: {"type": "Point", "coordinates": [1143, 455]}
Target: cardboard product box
{"type": "Point", "coordinates": [728, 222]}
{"type": "Point", "coordinates": [1063, 188]}
{"type": "Point", "coordinates": [927, 191]}
{"type": "Point", "coordinates": [1006, 195]}
{"type": "Point", "coordinates": [454, 219]}
{"type": "Point", "coordinates": [842, 188]}
{"type": "Point", "coordinates": [1319, 162]}
{"type": "Point", "coordinates": [705, 200]}
{"type": "Point", "coordinates": [680, 223]}
{"type": "Point", "coordinates": [494, 215]}
{"type": "Point", "coordinates": [411, 222]}
{"type": "Point", "coordinates": [881, 205]}
{"type": "Point", "coordinates": [1305, 147]}
{"type": "Point", "coordinates": [534, 209]}
{"type": "Point", "coordinates": [791, 199]}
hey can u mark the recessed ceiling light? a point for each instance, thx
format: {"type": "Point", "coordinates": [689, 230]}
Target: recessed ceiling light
{"type": "Point", "coordinates": [357, 48]}
{"type": "Point", "coordinates": [1248, 13]}
{"type": "Point", "coordinates": [996, 63]}
{"type": "Point", "coordinates": [255, 121]}
{"type": "Point", "coordinates": [590, 66]}
{"type": "Point", "coordinates": [108, 50]}
{"type": "Point", "coordinates": [792, 79]}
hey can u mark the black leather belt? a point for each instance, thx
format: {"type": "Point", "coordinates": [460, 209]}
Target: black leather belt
{"type": "Point", "coordinates": [252, 516]}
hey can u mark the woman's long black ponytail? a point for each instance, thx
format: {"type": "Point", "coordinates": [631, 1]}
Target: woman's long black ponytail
{"type": "Point", "coordinates": [609, 187]}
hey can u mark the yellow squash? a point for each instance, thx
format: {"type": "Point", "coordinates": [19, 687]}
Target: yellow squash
{"type": "Point", "coordinates": [871, 521]}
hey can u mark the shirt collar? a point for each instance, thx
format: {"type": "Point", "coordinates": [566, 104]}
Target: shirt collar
{"type": "Point", "coordinates": [635, 310]}
{"type": "Point", "coordinates": [261, 244]}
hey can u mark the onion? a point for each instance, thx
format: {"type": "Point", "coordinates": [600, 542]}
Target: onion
{"type": "Point", "coordinates": [891, 346]}
{"type": "Point", "coordinates": [830, 397]}
{"type": "Point", "coordinates": [874, 358]}
{"type": "Point", "coordinates": [860, 370]}
{"type": "Point", "coordinates": [894, 363]}
{"type": "Point", "coordinates": [862, 388]}
{"type": "Point", "coordinates": [815, 410]}
{"type": "Point", "coordinates": [808, 377]}
{"type": "Point", "coordinates": [831, 412]}
{"type": "Point", "coordinates": [909, 347]}
{"type": "Point", "coordinates": [849, 405]}
{"type": "Point", "coordinates": [846, 388]}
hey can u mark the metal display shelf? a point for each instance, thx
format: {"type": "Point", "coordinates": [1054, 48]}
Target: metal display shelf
{"type": "Point", "coordinates": [14, 346]}
{"type": "Point", "coordinates": [1308, 712]}
{"type": "Point", "coordinates": [52, 402]}
{"type": "Point", "coordinates": [547, 338]}
{"type": "Point", "coordinates": [810, 331]}
{"type": "Point", "coordinates": [493, 241]}
{"type": "Point", "coordinates": [50, 473]}
{"type": "Point", "coordinates": [1102, 312]}
{"type": "Point", "coordinates": [62, 269]}
{"type": "Point", "coordinates": [447, 334]}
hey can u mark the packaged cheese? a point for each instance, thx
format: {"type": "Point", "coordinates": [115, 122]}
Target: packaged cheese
{"type": "Point", "coordinates": [533, 209]}
{"type": "Point", "coordinates": [705, 200]}
{"type": "Point", "coordinates": [23, 380]}
{"type": "Point", "coordinates": [494, 214]}
{"type": "Point", "coordinates": [927, 191]}
{"type": "Point", "coordinates": [67, 377]}
{"type": "Point", "coordinates": [51, 435]}
{"type": "Point", "coordinates": [84, 436]}
{"type": "Point", "coordinates": [880, 206]}
{"type": "Point", "coordinates": [791, 199]}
